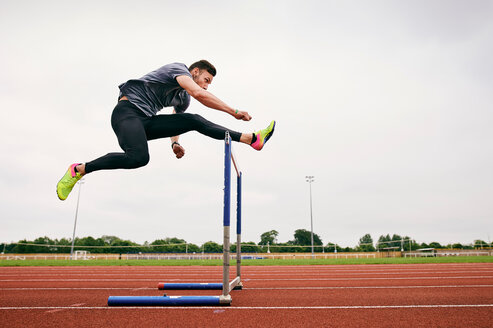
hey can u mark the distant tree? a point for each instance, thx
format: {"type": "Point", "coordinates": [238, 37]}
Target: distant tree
{"type": "Point", "coordinates": [159, 242]}
{"type": "Point", "coordinates": [457, 246]}
{"type": "Point", "coordinates": [170, 245]}
{"type": "Point", "coordinates": [365, 244]}
{"type": "Point", "coordinates": [248, 247]}
{"type": "Point", "coordinates": [212, 247]}
{"type": "Point", "coordinates": [480, 244]}
{"type": "Point", "coordinates": [397, 241]}
{"type": "Point", "coordinates": [22, 248]}
{"type": "Point", "coordinates": [283, 248]}
{"type": "Point", "coordinates": [435, 244]}
{"type": "Point", "coordinates": [192, 248]}
{"type": "Point", "coordinates": [177, 245]}
{"type": "Point", "coordinates": [415, 245]}
{"type": "Point", "coordinates": [123, 250]}
{"type": "Point", "coordinates": [63, 242]}
{"type": "Point", "coordinates": [303, 237]}
{"type": "Point", "coordinates": [407, 243]}
{"type": "Point", "coordinates": [269, 237]}
{"type": "Point", "coordinates": [108, 240]}
{"type": "Point", "coordinates": [291, 247]}
{"type": "Point", "coordinates": [330, 248]}
{"type": "Point", "coordinates": [43, 241]}
{"type": "Point", "coordinates": [9, 248]}
{"type": "Point", "coordinates": [175, 240]}
{"type": "Point", "coordinates": [424, 245]}
{"type": "Point", "coordinates": [88, 241]}
{"type": "Point", "coordinates": [383, 241]}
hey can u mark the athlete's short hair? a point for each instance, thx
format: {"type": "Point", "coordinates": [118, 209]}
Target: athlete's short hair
{"type": "Point", "coordinates": [204, 64]}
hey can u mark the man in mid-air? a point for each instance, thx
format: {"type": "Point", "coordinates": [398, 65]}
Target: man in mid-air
{"type": "Point", "coordinates": [135, 120]}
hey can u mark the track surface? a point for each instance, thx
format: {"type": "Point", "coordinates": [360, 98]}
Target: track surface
{"type": "Point", "coordinates": [425, 295]}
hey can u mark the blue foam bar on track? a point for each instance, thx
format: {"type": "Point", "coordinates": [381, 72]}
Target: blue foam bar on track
{"type": "Point", "coordinates": [164, 301]}
{"type": "Point", "coordinates": [192, 286]}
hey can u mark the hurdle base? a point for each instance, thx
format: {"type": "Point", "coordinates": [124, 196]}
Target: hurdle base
{"type": "Point", "coordinates": [235, 284]}
{"type": "Point", "coordinates": [225, 300]}
{"type": "Point", "coordinates": [169, 300]}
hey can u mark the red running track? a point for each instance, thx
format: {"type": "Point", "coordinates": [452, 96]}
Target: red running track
{"type": "Point", "coordinates": [425, 295]}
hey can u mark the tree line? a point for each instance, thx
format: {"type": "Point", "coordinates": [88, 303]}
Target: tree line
{"type": "Point", "coordinates": [301, 243]}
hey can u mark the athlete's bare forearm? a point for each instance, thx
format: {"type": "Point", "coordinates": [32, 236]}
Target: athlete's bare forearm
{"type": "Point", "coordinates": [208, 99]}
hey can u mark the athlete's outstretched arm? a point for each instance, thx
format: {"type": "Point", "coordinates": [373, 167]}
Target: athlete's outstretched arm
{"type": "Point", "coordinates": [208, 99]}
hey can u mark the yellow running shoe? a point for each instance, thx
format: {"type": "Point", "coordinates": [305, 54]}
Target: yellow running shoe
{"type": "Point", "coordinates": [263, 136]}
{"type": "Point", "coordinates": [67, 183]}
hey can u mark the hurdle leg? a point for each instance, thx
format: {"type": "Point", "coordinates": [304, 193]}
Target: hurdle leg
{"type": "Point", "coordinates": [226, 215]}
{"type": "Point", "coordinates": [239, 285]}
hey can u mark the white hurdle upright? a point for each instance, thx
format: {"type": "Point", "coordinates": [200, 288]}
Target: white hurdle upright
{"type": "Point", "coordinates": [226, 286]}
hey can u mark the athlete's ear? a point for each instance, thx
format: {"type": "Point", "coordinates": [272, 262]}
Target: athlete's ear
{"type": "Point", "coordinates": [195, 70]}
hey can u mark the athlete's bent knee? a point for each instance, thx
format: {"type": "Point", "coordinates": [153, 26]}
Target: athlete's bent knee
{"type": "Point", "coordinates": [138, 161]}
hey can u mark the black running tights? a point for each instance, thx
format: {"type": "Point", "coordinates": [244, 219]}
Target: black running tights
{"type": "Point", "coordinates": [133, 129]}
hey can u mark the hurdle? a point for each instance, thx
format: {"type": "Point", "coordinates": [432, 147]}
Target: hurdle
{"type": "Point", "coordinates": [226, 286]}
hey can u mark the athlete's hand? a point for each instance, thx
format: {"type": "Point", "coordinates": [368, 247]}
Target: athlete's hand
{"type": "Point", "coordinates": [178, 150]}
{"type": "Point", "coordinates": [241, 115]}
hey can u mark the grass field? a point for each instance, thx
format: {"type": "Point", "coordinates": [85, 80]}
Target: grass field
{"type": "Point", "coordinates": [266, 262]}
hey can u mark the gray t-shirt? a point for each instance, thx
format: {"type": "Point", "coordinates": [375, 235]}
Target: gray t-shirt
{"type": "Point", "coordinates": [158, 89]}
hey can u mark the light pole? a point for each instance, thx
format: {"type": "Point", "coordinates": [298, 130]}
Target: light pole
{"type": "Point", "coordinates": [81, 182]}
{"type": "Point", "coordinates": [310, 179]}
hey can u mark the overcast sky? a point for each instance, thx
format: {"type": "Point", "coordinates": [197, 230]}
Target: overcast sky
{"type": "Point", "coordinates": [387, 103]}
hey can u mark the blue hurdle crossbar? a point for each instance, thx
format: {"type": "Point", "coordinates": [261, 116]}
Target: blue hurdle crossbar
{"type": "Point", "coordinates": [192, 286]}
{"type": "Point", "coordinates": [226, 285]}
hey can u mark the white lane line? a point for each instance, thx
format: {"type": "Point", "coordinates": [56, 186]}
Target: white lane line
{"type": "Point", "coordinates": [219, 274]}
{"type": "Point", "coordinates": [371, 278]}
{"type": "Point", "coordinates": [328, 268]}
{"type": "Point", "coordinates": [80, 288]}
{"type": "Point", "coordinates": [354, 307]}
{"type": "Point", "coordinates": [248, 288]}
{"type": "Point", "coordinates": [252, 279]}
{"type": "Point", "coordinates": [368, 287]}
{"type": "Point", "coordinates": [249, 274]}
{"type": "Point", "coordinates": [92, 280]}
{"type": "Point", "coordinates": [245, 272]}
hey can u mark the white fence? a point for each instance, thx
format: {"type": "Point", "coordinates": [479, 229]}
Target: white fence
{"type": "Point", "coordinates": [444, 253]}
{"type": "Point", "coordinates": [245, 256]}
{"type": "Point", "coordinates": [189, 256]}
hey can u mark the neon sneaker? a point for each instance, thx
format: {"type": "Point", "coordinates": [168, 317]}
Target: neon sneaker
{"type": "Point", "coordinates": [65, 185]}
{"type": "Point", "coordinates": [263, 136]}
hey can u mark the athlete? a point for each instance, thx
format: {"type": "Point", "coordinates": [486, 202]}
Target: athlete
{"type": "Point", "coordinates": [135, 120]}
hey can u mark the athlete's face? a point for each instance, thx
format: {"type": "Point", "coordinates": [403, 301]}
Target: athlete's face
{"type": "Point", "coordinates": [202, 78]}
